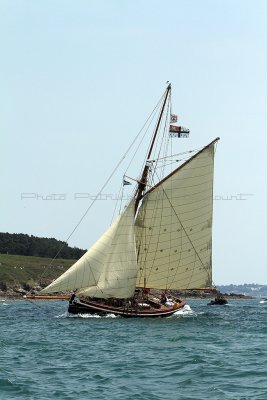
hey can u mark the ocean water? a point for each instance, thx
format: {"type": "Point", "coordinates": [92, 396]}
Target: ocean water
{"type": "Point", "coordinates": [211, 352]}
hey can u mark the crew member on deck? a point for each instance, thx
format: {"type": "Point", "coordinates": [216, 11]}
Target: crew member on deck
{"type": "Point", "coordinates": [72, 297]}
{"type": "Point", "coordinates": [163, 298]}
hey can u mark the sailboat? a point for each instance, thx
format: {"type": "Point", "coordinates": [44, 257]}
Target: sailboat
{"type": "Point", "coordinates": [160, 243]}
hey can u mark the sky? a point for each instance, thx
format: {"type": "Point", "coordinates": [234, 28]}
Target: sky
{"type": "Point", "coordinates": [78, 80]}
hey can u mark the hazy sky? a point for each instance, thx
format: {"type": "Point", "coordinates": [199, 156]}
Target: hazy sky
{"type": "Point", "coordinates": [78, 80]}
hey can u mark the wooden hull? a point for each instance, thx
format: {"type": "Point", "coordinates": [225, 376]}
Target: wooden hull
{"type": "Point", "coordinates": [92, 307]}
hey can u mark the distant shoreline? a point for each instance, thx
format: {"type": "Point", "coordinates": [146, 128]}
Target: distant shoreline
{"type": "Point", "coordinates": [12, 297]}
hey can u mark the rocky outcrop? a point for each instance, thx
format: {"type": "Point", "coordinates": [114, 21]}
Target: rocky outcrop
{"type": "Point", "coordinates": [18, 291]}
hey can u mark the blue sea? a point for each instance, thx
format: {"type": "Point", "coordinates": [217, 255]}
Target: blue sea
{"type": "Point", "coordinates": [211, 352]}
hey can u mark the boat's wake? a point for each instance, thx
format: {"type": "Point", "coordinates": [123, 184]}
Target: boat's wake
{"type": "Point", "coordinates": [185, 311]}
{"type": "Point", "coordinates": [68, 315]}
{"type": "Point", "coordinates": [98, 316]}
{"type": "Point", "coordinates": [64, 315]}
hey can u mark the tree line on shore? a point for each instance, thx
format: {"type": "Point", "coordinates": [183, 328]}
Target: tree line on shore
{"type": "Point", "coordinates": [25, 245]}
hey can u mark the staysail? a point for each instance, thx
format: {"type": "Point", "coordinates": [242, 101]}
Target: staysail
{"type": "Point", "coordinates": [174, 227]}
{"type": "Point", "coordinates": [119, 272]}
{"type": "Point", "coordinates": [109, 267]}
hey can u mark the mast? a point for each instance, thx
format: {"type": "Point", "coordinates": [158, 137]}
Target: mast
{"type": "Point", "coordinates": [143, 181]}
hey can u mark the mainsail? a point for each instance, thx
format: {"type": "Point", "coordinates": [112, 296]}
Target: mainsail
{"type": "Point", "coordinates": [109, 267]}
{"type": "Point", "coordinates": [174, 227]}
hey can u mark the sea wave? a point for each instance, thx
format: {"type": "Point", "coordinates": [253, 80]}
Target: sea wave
{"type": "Point", "coordinates": [216, 353]}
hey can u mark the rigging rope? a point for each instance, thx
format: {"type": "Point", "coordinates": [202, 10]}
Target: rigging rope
{"type": "Point", "coordinates": [176, 154]}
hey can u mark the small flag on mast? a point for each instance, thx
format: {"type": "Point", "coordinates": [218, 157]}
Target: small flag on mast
{"type": "Point", "coordinates": [126, 183]}
{"type": "Point", "coordinates": [178, 131]}
{"type": "Point", "coordinates": [174, 118]}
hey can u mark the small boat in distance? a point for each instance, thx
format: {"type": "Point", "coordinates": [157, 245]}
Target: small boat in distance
{"type": "Point", "coordinates": [263, 301]}
{"type": "Point", "coordinates": [160, 243]}
{"type": "Point", "coordinates": [218, 301]}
